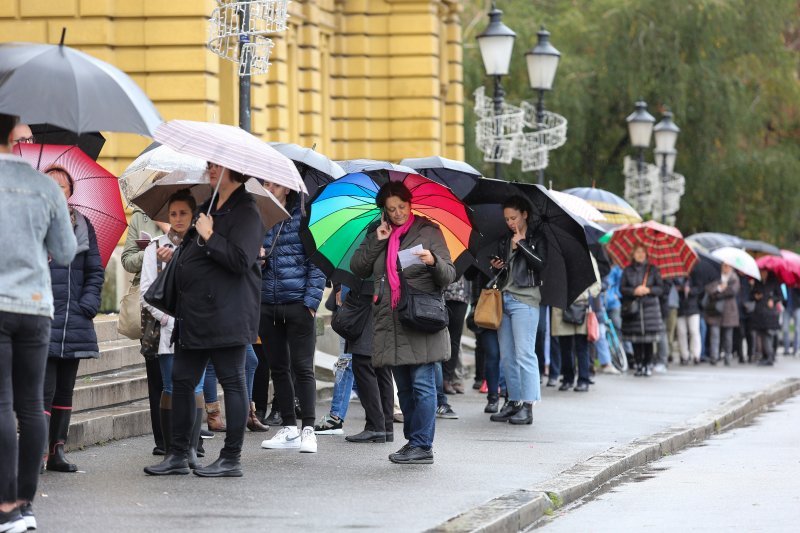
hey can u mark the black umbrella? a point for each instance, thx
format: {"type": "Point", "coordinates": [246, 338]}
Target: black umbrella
{"type": "Point", "coordinates": [712, 241]}
{"type": "Point", "coordinates": [89, 143]}
{"type": "Point", "coordinates": [316, 169]}
{"type": "Point", "coordinates": [593, 233]}
{"type": "Point", "coordinates": [569, 269]}
{"type": "Point", "coordinates": [459, 176]}
{"type": "Point", "coordinates": [761, 247]}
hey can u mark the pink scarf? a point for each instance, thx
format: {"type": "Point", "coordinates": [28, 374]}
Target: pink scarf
{"type": "Point", "coordinates": [391, 258]}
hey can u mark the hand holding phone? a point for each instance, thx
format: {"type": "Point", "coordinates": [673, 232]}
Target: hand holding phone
{"type": "Point", "coordinates": [385, 229]}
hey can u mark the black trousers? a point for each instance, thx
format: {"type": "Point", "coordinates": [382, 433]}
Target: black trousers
{"type": "Point", "coordinates": [261, 379]}
{"type": "Point", "coordinates": [24, 340]}
{"type": "Point", "coordinates": [186, 373]}
{"type": "Point", "coordinates": [288, 332]}
{"type": "Point", "coordinates": [376, 392]}
{"type": "Point", "coordinates": [643, 353]}
{"type": "Point", "coordinates": [457, 312]}
{"type": "Point", "coordinates": [155, 384]}
{"type": "Point", "coordinates": [59, 382]}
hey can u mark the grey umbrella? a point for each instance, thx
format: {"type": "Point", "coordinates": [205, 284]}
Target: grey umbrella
{"type": "Point", "coordinates": [55, 84]}
{"type": "Point", "coordinates": [459, 176]}
{"type": "Point", "coordinates": [372, 165]}
{"type": "Point", "coordinates": [316, 169]}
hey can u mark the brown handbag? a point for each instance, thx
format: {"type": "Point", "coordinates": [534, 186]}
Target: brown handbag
{"type": "Point", "coordinates": [489, 309]}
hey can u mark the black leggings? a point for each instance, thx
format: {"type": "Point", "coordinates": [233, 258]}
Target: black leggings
{"type": "Point", "coordinates": [643, 353]}
{"type": "Point", "coordinates": [456, 311]}
{"type": "Point", "coordinates": [289, 336]}
{"type": "Point", "coordinates": [376, 392]}
{"type": "Point", "coordinates": [59, 382]}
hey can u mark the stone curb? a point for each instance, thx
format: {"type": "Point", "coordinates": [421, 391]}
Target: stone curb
{"type": "Point", "coordinates": [520, 509]}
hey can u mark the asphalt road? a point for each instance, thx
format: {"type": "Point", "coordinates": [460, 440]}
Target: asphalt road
{"type": "Point", "coordinates": [746, 479]}
{"type": "Point", "coordinates": [350, 486]}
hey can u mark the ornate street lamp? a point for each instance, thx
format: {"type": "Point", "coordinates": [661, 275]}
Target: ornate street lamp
{"type": "Point", "coordinates": [542, 62]}
{"type": "Point", "coordinates": [496, 44]}
{"type": "Point", "coordinates": [666, 134]}
{"type": "Point", "coordinates": [640, 129]}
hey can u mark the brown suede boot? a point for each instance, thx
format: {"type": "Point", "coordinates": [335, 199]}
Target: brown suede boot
{"type": "Point", "coordinates": [215, 422]}
{"type": "Point", "coordinates": [253, 423]}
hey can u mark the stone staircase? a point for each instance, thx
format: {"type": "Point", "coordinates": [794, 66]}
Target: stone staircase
{"type": "Point", "coordinates": [110, 400]}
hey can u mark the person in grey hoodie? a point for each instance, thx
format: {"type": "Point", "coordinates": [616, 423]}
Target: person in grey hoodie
{"type": "Point", "coordinates": [36, 229]}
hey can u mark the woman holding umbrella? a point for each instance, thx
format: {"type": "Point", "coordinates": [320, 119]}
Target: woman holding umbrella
{"type": "Point", "coordinates": [722, 313]}
{"type": "Point", "coordinates": [217, 315]}
{"type": "Point", "coordinates": [641, 288]}
{"type": "Point", "coordinates": [76, 297]}
{"type": "Point", "coordinates": [411, 353]}
{"type": "Point", "coordinates": [521, 256]}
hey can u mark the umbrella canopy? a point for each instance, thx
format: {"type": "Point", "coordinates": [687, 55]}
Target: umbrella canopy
{"type": "Point", "coordinates": [594, 232]}
{"type": "Point", "coordinates": [786, 271]}
{"type": "Point", "coordinates": [90, 143]}
{"type": "Point", "coordinates": [761, 247]}
{"type": "Point", "coordinates": [569, 269]}
{"type": "Point", "coordinates": [738, 259]}
{"type": "Point", "coordinates": [708, 267]}
{"type": "Point", "coordinates": [156, 160]}
{"type": "Point", "coordinates": [578, 206]}
{"type": "Point", "coordinates": [55, 84]}
{"type": "Point", "coordinates": [711, 241]}
{"type": "Point", "coordinates": [615, 209]}
{"type": "Point", "coordinates": [154, 199]}
{"type": "Point", "coordinates": [459, 176]}
{"type": "Point", "coordinates": [95, 193]}
{"type": "Point", "coordinates": [315, 169]}
{"type": "Point", "coordinates": [344, 210]}
{"type": "Point", "coordinates": [373, 167]}
{"type": "Point", "coordinates": [233, 148]}
{"type": "Point", "coordinates": [665, 247]}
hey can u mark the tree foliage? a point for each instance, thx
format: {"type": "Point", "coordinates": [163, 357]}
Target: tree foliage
{"type": "Point", "coordinates": [726, 68]}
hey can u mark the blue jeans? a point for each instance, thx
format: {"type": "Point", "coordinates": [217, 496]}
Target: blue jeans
{"type": "Point", "coordinates": [416, 389]}
{"type": "Point", "coordinates": [517, 337]}
{"type": "Point", "coordinates": [343, 386]}
{"type": "Point", "coordinates": [210, 384]}
{"type": "Point", "coordinates": [250, 364]}
{"type": "Point", "coordinates": [441, 397]}
{"type": "Point", "coordinates": [491, 350]}
{"type": "Point", "coordinates": [601, 346]}
{"type": "Point", "coordinates": [572, 347]}
{"type": "Point", "coordinates": [165, 361]}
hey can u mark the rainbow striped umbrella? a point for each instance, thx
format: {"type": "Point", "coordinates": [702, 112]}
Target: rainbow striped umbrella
{"type": "Point", "coordinates": [344, 211]}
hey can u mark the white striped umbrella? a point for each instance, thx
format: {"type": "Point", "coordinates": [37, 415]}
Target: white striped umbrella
{"type": "Point", "coordinates": [578, 206]}
{"type": "Point", "coordinates": [233, 148]}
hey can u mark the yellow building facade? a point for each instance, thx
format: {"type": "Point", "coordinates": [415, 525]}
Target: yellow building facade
{"type": "Point", "coordinates": [379, 79]}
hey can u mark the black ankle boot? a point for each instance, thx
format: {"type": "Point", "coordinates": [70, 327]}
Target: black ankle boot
{"type": "Point", "coordinates": [222, 467]}
{"type": "Point", "coordinates": [508, 410]}
{"type": "Point", "coordinates": [492, 404]}
{"type": "Point", "coordinates": [524, 415]}
{"type": "Point", "coordinates": [59, 427]}
{"type": "Point", "coordinates": [171, 465]}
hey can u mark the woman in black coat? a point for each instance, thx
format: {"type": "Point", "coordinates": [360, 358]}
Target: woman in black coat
{"type": "Point", "coordinates": [641, 288]}
{"type": "Point", "coordinates": [765, 320]}
{"type": "Point", "coordinates": [76, 299]}
{"type": "Point", "coordinates": [218, 282]}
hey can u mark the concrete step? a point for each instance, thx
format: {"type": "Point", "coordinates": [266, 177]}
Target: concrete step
{"type": "Point", "coordinates": [324, 366]}
{"type": "Point", "coordinates": [108, 390]}
{"type": "Point", "coordinates": [106, 328]}
{"type": "Point", "coordinates": [114, 355]}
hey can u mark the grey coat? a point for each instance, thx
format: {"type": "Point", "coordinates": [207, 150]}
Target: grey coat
{"type": "Point", "coordinates": [730, 311]}
{"type": "Point", "coordinates": [393, 344]}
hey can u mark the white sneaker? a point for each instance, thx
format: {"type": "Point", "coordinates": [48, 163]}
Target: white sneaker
{"type": "Point", "coordinates": [288, 437]}
{"type": "Point", "coordinates": [308, 441]}
{"type": "Point", "coordinates": [660, 368]}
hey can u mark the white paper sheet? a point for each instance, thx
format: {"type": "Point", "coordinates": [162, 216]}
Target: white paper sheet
{"type": "Point", "coordinates": [407, 257]}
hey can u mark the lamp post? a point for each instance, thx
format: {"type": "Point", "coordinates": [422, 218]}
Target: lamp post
{"type": "Point", "coordinates": [496, 44]}
{"type": "Point", "coordinates": [666, 134]}
{"type": "Point", "coordinates": [640, 130]}
{"type": "Point", "coordinates": [542, 61]}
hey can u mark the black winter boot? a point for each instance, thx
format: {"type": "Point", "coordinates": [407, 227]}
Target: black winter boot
{"type": "Point", "coordinates": [59, 427]}
{"type": "Point", "coordinates": [194, 439]}
{"type": "Point", "coordinates": [523, 416]}
{"type": "Point", "coordinates": [509, 409]}
{"type": "Point", "coordinates": [165, 419]}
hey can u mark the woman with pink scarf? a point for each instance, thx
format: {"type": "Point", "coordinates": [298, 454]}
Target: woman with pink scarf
{"type": "Point", "coordinates": [412, 354]}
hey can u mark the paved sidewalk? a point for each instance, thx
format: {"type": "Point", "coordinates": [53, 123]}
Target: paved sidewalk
{"type": "Point", "coordinates": [743, 480]}
{"type": "Point", "coordinates": [349, 486]}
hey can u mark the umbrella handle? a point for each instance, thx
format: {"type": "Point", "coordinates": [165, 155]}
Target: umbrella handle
{"type": "Point", "coordinates": [214, 195]}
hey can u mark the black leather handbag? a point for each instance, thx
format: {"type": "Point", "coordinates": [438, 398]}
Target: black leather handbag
{"type": "Point", "coordinates": [421, 311]}
{"type": "Point", "coordinates": [576, 313]}
{"type": "Point", "coordinates": [163, 293]}
{"type": "Point", "coordinates": [351, 318]}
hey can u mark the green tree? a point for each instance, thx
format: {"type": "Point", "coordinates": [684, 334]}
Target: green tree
{"type": "Point", "coordinates": [726, 68]}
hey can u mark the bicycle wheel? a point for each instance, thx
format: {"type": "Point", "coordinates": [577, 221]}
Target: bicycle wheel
{"type": "Point", "coordinates": [618, 357]}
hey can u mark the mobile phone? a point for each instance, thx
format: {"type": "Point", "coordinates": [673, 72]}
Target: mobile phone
{"type": "Point", "coordinates": [495, 258]}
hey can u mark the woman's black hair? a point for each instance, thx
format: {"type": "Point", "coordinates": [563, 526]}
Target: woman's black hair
{"type": "Point", "coordinates": [7, 123]}
{"type": "Point", "coordinates": [392, 188]}
{"type": "Point", "coordinates": [237, 177]}
{"type": "Point", "coordinates": [183, 195]}
{"type": "Point", "coordinates": [518, 202]}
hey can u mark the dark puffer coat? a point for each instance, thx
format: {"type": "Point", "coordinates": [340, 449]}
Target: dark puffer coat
{"type": "Point", "coordinates": [765, 317]}
{"type": "Point", "coordinates": [690, 301]}
{"type": "Point", "coordinates": [288, 276]}
{"type": "Point", "coordinates": [646, 325]}
{"type": "Point", "coordinates": [76, 297]}
{"type": "Point", "coordinates": [394, 344]}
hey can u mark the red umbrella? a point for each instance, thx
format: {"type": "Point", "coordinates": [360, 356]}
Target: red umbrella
{"type": "Point", "coordinates": [665, 247]}
{"type": "Point", "coordinates": [96, 192]}
{"type": "Point", "coordinates": [783, 269]}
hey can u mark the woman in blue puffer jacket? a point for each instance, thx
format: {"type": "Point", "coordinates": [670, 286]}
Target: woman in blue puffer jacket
{"type": "Point", "coordinates": [76, 299]}
{"type": "Point", "coordinates": [291, 291]}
